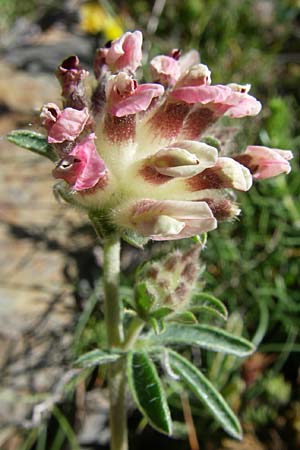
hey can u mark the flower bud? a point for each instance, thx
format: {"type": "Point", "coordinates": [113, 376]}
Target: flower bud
{"type": "Point", "coordinates": [70, 75]}
{"type": "Point", "coordinates": [169, 281]}
{"type": "Point", "coordinates": [123, 53]}
{"type": "Point", "coordinates": [264, 162]}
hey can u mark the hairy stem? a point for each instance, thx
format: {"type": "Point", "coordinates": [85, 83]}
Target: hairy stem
{"type": "Point", "coordinates": [133, 332]}
{"type": "Point", "coordinates": [114, 328]}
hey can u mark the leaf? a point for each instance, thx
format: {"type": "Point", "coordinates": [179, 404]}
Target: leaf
{"type": "Point", "coordinates": [97, 357]}
{"type": "Point", "coordinates": [209, 303]}
{"type": "Point", "coordinates": [207, 393]}
{"type": "Point", "coordinates": [186, 317]}
{"type": "Point", "coordinates": [158, 326]}
{"type": "Point", "coordinates": [143, 299]}
{"type": "Point", "coordinates": [134, 239]}
{"type": "Point", "coordinates": [205, 336]}
{"type": "Point", "coordinates": [161, 313]}
{"type": "Point", "coordinates": [35, 142]}
{"type": "Point", "coordinates": [148, 392]}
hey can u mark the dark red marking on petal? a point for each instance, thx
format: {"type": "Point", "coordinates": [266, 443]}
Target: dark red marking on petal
{"type": "Point", "coordinates": [119, 129]}
{"type": "Point", "coordinates": [208, 179]}
{"type": "Point", "coordinates": [169, 119]}
{"type": "Point", "coordinates": [151, 175]}
{"type": "Point", "coordinates": [221, 208]}
{"type": "Point", "coordinates": [197, 122]}
{"type": "Point", "coordinates": [245, 160]}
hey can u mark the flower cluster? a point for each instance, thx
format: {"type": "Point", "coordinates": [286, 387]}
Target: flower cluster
{"type": "Point", "coordinates": [137, 153]}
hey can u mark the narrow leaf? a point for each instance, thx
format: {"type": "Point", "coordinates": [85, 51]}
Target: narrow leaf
{"type": "Point", "coordinates": [207, 302]}
{"type": "Point", "coordinates": [158, 326]}
{"type": "Point", "coordinates": [96, 357]}
{"type": "Point", "coordinates": [161, 313]}
{"type": "Point", "coordinates": [207, 394]}
{"type": "Point", "coordinates": [35, 142]}
{"type": "Point", "coordinates": [186, 317]}
{"type": "Point", "coordinates": [205, 336]}
{"type": "Point", "coordinates": [148, 392]}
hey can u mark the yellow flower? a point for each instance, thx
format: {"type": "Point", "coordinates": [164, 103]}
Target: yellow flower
{"type": "Point", "coordinates": [95, 19]}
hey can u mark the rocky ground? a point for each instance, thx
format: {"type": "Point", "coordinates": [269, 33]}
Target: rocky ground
{"type": "Point", "coordinates": [41, 241]}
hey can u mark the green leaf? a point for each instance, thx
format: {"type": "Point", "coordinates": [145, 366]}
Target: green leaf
{"type": "Point", "coordinates": [143, 299]}
{"type": "Point", "coordinates": [148, 392]}
{"type": "Point", "coordinates": [97, 357]}
{"type": "Point", "coordinates": [34, 142]}
{"type": "Point", "coordinates": [207, 394]}
{"type": "Point", "coordinates": [209, 303]}
{"type": "Point", "coordinates": [162, 312]}
{"type": "Point", "coordinates": [158, 326]}
{"type": "Point", "coordinates": [134, 238]}
{"type": "Point", "coordinates": [205, 336]}
{"type": "Point", "coordinates": [186, 317]}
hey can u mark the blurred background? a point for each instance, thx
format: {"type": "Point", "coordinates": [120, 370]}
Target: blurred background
{"type": "Point", "coordinates": [50, 263]}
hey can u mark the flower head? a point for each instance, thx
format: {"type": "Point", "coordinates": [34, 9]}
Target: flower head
{"type": "Point", "coordinates": [137, 154]}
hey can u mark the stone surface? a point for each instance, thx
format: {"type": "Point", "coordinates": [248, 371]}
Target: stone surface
{"type": "Point", "coordinates": [38, 268]}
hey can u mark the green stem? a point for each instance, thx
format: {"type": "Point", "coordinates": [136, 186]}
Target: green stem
{"type": "Point", "coordinates": [114, 328]}
{"type": "Point", "coordinates": [133, 332]}
{"type": "Point", "coordinates": [112, 306]}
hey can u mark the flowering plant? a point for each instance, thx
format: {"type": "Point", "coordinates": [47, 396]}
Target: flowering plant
{"type": "Point", "coordinates": [143, 161]}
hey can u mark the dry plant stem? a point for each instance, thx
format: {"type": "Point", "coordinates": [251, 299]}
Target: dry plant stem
{"type": "Point", "coordinates": [114, 328]}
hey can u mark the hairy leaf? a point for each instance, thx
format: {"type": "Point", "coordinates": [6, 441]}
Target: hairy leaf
{"type": "Point", "coordinates": [148, 392]}
{"type": "Point", "coordinates": [35, 142]}
{"type": "Point", "coordinates": [205, 336]}
{"type": "Point", "coordinates": [97, 357]}
{"type": "Point", "coordinates": [207, 394]}
{"type": "Point", "coordinates": [206, 302]}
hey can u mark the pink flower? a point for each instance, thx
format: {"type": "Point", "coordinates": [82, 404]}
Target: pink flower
{"type": "Point", "coordinates": [82, 168]}
{"type": "Point", "coordinates": [125, 96]}
{"type": "Point", "coordinates": [165, 69]}
{"type": "Point", "coordinates": [169, 219]}
{"type": "Point", "coordinates": [264, 162]}
{"type": "Point", "coordinates": [65, 125]}
{"type": "Point", "coordinates": [221, 99]}
{"type": "Point", "coordinates": [154, 178]}
{"type": "Point", "coordinates": [124, 53]}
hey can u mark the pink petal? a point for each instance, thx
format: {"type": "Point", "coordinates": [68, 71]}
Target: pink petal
{"type": "Point", "coordinates": [69, 125]}
{"type": "Point", "coordinates": [202, 94]}
{"type": "Point", "coordinates": [222, 99]}
{"type": "Point", "coordinates": [165, 69]}
{"type": "Point", "coordinates": [245, 105]}
{"type": "Point", "coordinates": [126, 52]}
{"type": "Point", "coordinates": [267, 162]}
{"type": "Point", "coordinates": [93, 167]}
{"type": "Point", "coordinates": [139, 101]}
{"type": "Point", "coordinates": [190, 218]}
